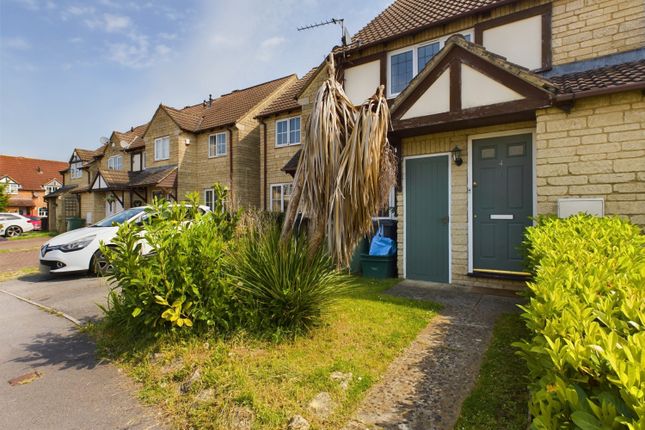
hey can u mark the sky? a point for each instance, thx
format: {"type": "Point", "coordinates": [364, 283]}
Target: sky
{"type": "Point", "coordinates": [72, 71]}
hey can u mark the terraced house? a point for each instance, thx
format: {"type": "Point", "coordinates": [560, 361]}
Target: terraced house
{"type": "Point", "coordinates": [177, 152]}
{"type": "Point", "coordinates": [502, 110]}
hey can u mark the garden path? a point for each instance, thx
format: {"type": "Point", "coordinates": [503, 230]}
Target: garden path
{"type": "Point", "coordinates": [425, 386]}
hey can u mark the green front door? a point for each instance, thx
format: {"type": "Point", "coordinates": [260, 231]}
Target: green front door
{"type": "Point", "coordinates": [426, 218]}
{"type": "Point", "coordinates": [502, 202]}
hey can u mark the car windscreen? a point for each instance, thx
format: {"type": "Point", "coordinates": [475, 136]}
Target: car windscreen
{"type": "Point", "coordinates": [119, 218]}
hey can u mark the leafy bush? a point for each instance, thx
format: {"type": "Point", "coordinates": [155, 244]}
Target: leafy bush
{"type": "Point", "coordinates": [210, 271]}
{"type": "Point", "coordinates": [183, 281]}
{"type": "Point", "coordinates": [286, 290]}
{"type": "Point", "coordinates": [586, 356]}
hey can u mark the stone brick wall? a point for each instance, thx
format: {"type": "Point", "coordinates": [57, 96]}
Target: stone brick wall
{"type": "Point", "coordinates": [246, 162]}
{"type": "Point", "coordinates": [212, 170]}
{"type": "Point", "coordinates": [597, 150]}
{"type": "Point", "coordinates": [188, 164]}
{"type": "Point", "coordinates": [443, 143]}
{"type": "Point", "coordinates": [584, 29]}
{"type": "Point", "coordinates": [160, 126]}
{"type": "Point", "coordinates": [276, 157]}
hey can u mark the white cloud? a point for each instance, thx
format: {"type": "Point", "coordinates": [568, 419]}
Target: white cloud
{"type": "Point", "coordinates": [17, 43]}
{"type": "Point", "coordinates": [272, 42]}
{"type": "Point", "coordinates": [167, 36]}
{"type": "Point", "coordinates": [79, 10]}
{"type": "Point", "coordinates": [116, 22]}
{"type": "Point", "coordinates": [267, 48]}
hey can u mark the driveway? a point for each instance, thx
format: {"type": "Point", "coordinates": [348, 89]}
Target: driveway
{"type": "Point", "coordinates": [73, 390]}
{"type": "Point", "coordinates": [20, 254]}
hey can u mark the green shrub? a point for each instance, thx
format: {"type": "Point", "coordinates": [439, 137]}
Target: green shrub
{"type": "Point", "coordinates": [286, 290]}
{"type": "Point", "coordinates": [586, 356]}
{"type": "Point", "coordinates": [183, 282]}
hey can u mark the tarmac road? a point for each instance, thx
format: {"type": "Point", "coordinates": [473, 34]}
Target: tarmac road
{"type": "Point", "coordinates": [74, 390]}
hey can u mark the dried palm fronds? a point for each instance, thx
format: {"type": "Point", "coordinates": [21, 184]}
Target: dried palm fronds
{"type": "Point", "coordinates": [346, 169]}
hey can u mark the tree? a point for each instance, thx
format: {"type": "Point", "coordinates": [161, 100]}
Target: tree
{"type": "Point", "coordinates": [346, 169]}
{"type": "Point", "coordinates": [4, 197]}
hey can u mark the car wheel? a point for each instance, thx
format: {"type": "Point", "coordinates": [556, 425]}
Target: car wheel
{"type": "Point", "coordinates": [13, 231]}
{"type": "Point", "coordinates": [100, 266]}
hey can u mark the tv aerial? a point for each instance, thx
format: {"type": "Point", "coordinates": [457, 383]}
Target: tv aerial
{"type": "Point", "coordinates": [345, 37]}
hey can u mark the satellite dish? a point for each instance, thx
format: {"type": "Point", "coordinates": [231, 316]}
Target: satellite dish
{"type": "Point", "coordinates": [123, 143]}
{"type": "Point", "coordinates": [104, 140]}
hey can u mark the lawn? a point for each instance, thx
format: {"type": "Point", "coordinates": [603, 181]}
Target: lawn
{"type": "Point", "coordinates": [33, 234]}
{"type": "Point", "coordinates": [500, 397]}
{"type": "Point", "coordinates": [273, 381]}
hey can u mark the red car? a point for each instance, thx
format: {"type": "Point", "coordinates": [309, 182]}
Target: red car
{"type": "Point", "coordinates": [35, 221]}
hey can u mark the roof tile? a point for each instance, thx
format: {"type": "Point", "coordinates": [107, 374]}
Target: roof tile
{"type": "Point", "coordinates": [31, 173]}
{"type": "Point", "coordinates": [406, 16]}
{"type": "Point", "coordinates": [603, 77]}
{"type": "Point", "coordinates": [287, 100]}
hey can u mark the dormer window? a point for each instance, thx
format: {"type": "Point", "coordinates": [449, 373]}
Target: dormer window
{"type": "Point", "coordinates": [115, 162]}
{"type": "Point", "coordinates": [404, 64]}
{"type": "Point", "coordinates": [11, 186]}
{"type": "Point", "coordinates": [75, 167]}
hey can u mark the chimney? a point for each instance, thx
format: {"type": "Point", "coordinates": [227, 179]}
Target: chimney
{"type": "Point", "coordinates": [210, 100]}
{"type": "Point", "coordinates": [131, 128]}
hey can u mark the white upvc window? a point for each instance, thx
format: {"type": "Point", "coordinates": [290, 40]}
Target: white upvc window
{"type": "Point", "coordinates": [280, 197]}
{"type": "Point", "coordinates": [162, 148]}
{"type": "Point", "coordinates": [115, 162]}
{"type": "Point", "coordinates": [209, 198]}
{"type": "Point", "coordinates": [217, 145]}
{"type": "Point", "coordinates": [51, 188]}
{"type": "Point", "coordinates": [42, 212]}
{"type": "Point", "coordinates": [287, 131]}
{"type": "Point", "coordinates": [404, 64]}
{"type": "Point", "coordinates": [75, 169]}
{"type": "Point", "coordinates": [12, 188]}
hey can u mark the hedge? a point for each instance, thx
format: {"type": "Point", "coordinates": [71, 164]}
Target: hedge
{"type": "Point", "coordinates": [586, 313]}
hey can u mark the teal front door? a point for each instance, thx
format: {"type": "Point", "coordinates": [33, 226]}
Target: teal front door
{"type": "Point", "coordinates": [502, 202]}
{"type": "Point", "coordinates": [426, 218]}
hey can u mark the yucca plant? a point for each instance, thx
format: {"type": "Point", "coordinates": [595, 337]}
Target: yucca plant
{"type": "Point", "coordinates": [346, 169]}
{"type": "Point", "coordinates": [283, 287]}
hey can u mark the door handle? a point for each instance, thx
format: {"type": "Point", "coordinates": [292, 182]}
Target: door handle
{"type": "Point", "coordinates": [475, 184]}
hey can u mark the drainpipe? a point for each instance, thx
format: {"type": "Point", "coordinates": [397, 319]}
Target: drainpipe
{"type": "Point", "coordinates": [264, 185]}
{"type": "Point", "coordinates": [230, 152]}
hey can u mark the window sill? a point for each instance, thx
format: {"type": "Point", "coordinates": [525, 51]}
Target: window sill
{"type": "Point", "coordinates": [287, 145]}
{"type": "Point", "coordinates": [217, 156]}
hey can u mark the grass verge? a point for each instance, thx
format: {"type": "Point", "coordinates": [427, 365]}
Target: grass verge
{"type": "Point", "coordinates": [33, 235]}
{"type": "Point", "coordinates": [500, 397]}
{"type": "Point", "coordinates": [5, 276]}
{"type": "Point", "coordinates": [272, 381]}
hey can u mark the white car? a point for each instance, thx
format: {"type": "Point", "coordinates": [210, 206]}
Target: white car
{"type": "Point", "coordinates": [78, 250]}
{"type": "Point", "coordinates": [14, 224]}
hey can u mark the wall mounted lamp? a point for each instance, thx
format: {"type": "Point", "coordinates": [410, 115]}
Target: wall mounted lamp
{"type": "Point", "coordinates": [456, 156]}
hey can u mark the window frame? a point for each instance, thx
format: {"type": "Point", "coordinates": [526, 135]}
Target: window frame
{"type": "Point", "coordinates": [112, 159]}
{"type": "Point", "coordinates": [288, 121]}
{"type": "Point", "coordinates": [282, 188]}
{"type": "Point", "coordinates": [161, 140]}
{"type": "Point", "coordinates": [415, 56]}
{"type": "Point", "coordinates": [40, 213]}
{"type": "Point", "coordinates": [12, 187]}
{"type": "Point", "coordinates": [217, 154]}
{"type": "Point", "coordinates": [212, 192]}
{"type": "Point", "coordinates": [76, 169]}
